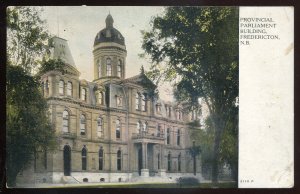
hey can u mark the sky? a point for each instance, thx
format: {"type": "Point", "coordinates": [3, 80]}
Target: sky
{"type": "Point", "coordinates": [80, 24]}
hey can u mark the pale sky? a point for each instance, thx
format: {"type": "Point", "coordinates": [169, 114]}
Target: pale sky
{"type": "Point", "coordinates": [80, 24]}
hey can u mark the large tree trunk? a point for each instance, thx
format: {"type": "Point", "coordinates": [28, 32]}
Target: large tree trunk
{"type": "Point", "coordinates": [218, 126]}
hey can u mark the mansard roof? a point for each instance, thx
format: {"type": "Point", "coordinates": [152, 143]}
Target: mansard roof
{"type": "Point", "coordinates": [140, 79]}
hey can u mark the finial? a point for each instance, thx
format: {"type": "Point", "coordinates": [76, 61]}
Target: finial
{"type": "Point", "coordinates": [142, 70]}
{"type": "Point", "coordinates": [109, 21]}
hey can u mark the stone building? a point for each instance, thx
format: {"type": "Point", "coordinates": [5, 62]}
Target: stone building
{"type": "Point", "coordinates": [113, 129]}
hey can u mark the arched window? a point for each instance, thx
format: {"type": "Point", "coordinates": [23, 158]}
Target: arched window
{"type": "Point", "coordinates": [83, 94]}
{"type": "Point", "coordinates": [137, 101]}
{"type": "Point", "coordinates": [82, 125]}
{"type": "Point", "coordinates": [119, 160]}
{"type": "Point", "coordinates": [178, 137]}
{"type": "Point", "coordinates": [99, 68]}
{"type": "Point", "coordinates": [108, 67]}
{"type": "Point", "coordinates": [69, 88]}
{"type": "Point", "coordinates": [118, 129]}
{"type": "Point", "coordinates": [138, 126]}
{"type": "Point", "coordinates": [100, 127]}
{"type": "Point", "coordinates": [65, 128]}
{"type": "Point", "coordinates": [61, 87]}
{"type": "Point", "coordinates": [101, 164]}
{"type": "Point", "coordinates": [100, 98]}
{"type": "Point", "coordinates": [168, 136]}
{"type": "Point", "coordinates": [83, 158]}
{"type": "Point", "coordinates": [169, 161]}
{"type": "Point", "coordinates": [144, 102]}
{"type": "Point", "coordinates": [119, 68]}
{"type": "Point", "coordinates": [179, 162]}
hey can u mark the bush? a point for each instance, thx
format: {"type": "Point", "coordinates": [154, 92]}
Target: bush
{"type": "Point", "coordinates": [187, 181]}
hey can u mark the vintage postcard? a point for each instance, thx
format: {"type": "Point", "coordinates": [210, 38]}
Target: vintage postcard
{"type": "Point", "coordinates": [150, 97]}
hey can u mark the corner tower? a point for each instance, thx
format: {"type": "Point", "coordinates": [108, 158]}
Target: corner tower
{"type": "Point", "coordinates": [109, 53]}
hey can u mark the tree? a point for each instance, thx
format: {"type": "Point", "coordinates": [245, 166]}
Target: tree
{"type": "Point", "coordinates": [28, 128]}
{"type": "Point", "coordinates": [27, 37]}
{"type": "Point", "coordinates": [199, 47]}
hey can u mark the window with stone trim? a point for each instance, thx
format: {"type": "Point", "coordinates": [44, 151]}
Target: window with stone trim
{"type": "Point", "coordinates": [137, 101]}
{"type": "Point", "coordinates": [145, 126]}
{"type": "Point", "coordinates": [61, 87]}
{"type": "Point", "coordinates": [119, 100]}
{"type": "Point", "coordinates": [118, 129]}
{"type": "Point", "coordinates": [138, 126]}
{"type": "Point", "coordinates": [179, 162]}
{"type": "Point", "coordinates": [83, 94]}
{"type": "Point", "coordinates": [101, 159]}
{"type": "Point", "coordinates": [119, 160]}
{"type": "Point", "coordinates": [168, 135]}
{"type": "Point", "coordinates": [69, 88]}
{"type": "Point", "coordinates": [100, 127]}
{"type": "Point", "coordinates": [100, 98]}
{"type": "Point", "coordinates": [159, 130]}
{"type": "Point", "coordinates": [65, 124]}
{"type": "Point", "coordinates": [169, 162]}
{"type": "Point", "coordinates": [108, 67]}
{"type": "Point", "coordinates": [99, 68]}
{"type": "Point", "coordinates": [178, 137]}
{"type": "Point", "coordinates": [119, 68]}
{"type": "Point", "coordinates": [82, 125]}
{"type": "Point", "coordinates": [84, 158]}
{"type": "Point", "coordinates": [144, 102]}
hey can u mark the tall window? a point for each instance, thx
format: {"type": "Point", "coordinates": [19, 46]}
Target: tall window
{"type": "Point", "coordinates": [100, 127]}
{"type": "Point", "coordinates": [69, 88]}
{"type": "Point", "coordinates": [65, 121]}
{"type": "Point", "coordinates": [137, 101]}
{"type": "Point", "coordinates": [99, 68]}
{"type": "Point", "coordinates": [83, 94]}
{"type": "Point", "coordinates": [61, 87]}
{"type": "Point", "coordinates": [101, 159]}
{"type": "Point", "coordinates": [158, 130]}
{"type": "Point", "coordinates": [143, 102]}
{"type": "Point", "coordinates": [82, 125]}
{"type": "Point", "coordinates": [108, 67]}
{"type": "Point", "coordinates": [178, 137]}
{"type": "Point", "coordinates": [119, 68]}
{"type": "Point", "coordinates": [158, 108]}
{"type": "Point", "coordinates": [100, 98]}
{"type": "Point", "coordinates": [118, 129]}
{"type": "Point", "coordinates": [179, 162]}
{"type": "Point", "coordinates": [119, 160]}
{"type": "Point", "coordinates": [169, 161]}
{"type": "Point", "coordinates": [119, 100]}
{"type": "Point", "coordinates": [168, 136]}
{"type": "Point", "coordinates": [170, 111]}
{"type": "Point", "coordinates": [167, 110]}
{"type": "Point", "coordinates": [138, 126]}
{"type": "Point", "coordinates": [145, 125]}
{"type": "Point", "coordinates": [83, 158]}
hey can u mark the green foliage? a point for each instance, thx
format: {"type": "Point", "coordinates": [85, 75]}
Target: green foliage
{"type": "Point", "coordinates": [51, 64]}
{"type": "Point", "coordinates": [28, 128]}
{"type": "Point", "coordinates": [27, 38]}
{"type": "Point", "coordinates": [199, 46]}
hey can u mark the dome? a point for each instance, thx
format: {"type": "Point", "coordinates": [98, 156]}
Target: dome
{"type": "Point", "coordinates": [109, 34]}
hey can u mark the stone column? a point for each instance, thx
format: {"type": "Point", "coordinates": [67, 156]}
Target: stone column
{"type": "Point", "coordinates": [144, 170]}
{"type": "Point", "coordinates": [161, 171]}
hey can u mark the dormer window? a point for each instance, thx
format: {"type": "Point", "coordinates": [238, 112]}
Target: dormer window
{"type": "Point", "coordinates": [61, 87]}
{"type": "Point", "coordinates": [100, 98]}
{"type": "Point", "coordinates": [69, 88]}
{"type": "Point", "coordinates": [108, 67]}
{"type": "Point", "coordinates": [143, 102]}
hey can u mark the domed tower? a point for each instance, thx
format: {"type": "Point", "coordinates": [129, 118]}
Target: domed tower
{"type": "Point", "coordinates": [109, 53]}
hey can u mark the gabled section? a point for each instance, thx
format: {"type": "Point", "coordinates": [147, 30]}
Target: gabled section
{"type": "Point", "coordinates": [141, 80]}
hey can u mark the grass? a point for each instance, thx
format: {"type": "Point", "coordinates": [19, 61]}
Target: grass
{"type": "Point", "coordinates": [151, 185]}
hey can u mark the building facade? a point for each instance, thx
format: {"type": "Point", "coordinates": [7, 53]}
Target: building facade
{"type": "Point", "coordinates": [113, 129]}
